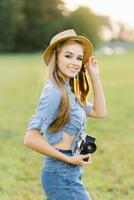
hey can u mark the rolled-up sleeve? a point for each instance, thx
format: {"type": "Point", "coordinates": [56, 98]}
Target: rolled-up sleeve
{"type": "Point", "coordinates": [88, 108]}
{"type": "Point", "coordinates": [46, 110]}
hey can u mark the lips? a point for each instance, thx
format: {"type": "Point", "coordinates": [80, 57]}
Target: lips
{"type": "Point", "coordinates": [73, 69]}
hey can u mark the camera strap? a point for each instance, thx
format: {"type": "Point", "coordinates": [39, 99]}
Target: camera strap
{"type": "Point", "coordinates": [79, 137]}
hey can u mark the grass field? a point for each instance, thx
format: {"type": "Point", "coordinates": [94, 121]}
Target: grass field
{"type": "Point", "coordinates": [110, 176]}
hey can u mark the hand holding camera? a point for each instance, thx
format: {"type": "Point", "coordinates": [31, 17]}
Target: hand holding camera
{"type": "Point", "coordinates": [79, 159]}
{"type": "Point", "coordinates": [84, 144]}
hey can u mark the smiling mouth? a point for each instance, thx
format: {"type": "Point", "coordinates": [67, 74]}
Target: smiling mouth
{"type": "Point", "coordinates": [73, 69]}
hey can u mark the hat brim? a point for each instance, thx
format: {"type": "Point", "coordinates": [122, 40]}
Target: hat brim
{"type": "Point", "coordinates": [86, 43]}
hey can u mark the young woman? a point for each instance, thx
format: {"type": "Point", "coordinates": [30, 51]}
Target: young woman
{"type": "Point", "coordinates": [61, 114]}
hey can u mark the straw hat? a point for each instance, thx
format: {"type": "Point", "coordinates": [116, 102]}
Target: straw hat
{"type": "Point", "coordinates": [68, 35]}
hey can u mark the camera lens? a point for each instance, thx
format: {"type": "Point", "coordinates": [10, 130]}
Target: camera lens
{"type": "Point", "coordinates": [91, 148]}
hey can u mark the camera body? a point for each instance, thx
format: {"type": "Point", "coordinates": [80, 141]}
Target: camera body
{"type": "Point", "coordinates": [84, 144]}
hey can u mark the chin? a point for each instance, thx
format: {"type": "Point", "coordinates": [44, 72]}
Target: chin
{"type": "Point", "coordinates": [71, 76]}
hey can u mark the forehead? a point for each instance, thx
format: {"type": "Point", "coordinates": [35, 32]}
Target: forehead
{"type": "Point", "coordinates": [75, 48]}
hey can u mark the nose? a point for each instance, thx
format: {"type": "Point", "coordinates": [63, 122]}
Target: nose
{"type": "Point", "coordinates": [75, 62]}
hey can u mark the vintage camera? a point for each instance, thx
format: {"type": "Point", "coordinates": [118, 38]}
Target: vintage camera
{"type": "Point", "coordinates": [84, 144]}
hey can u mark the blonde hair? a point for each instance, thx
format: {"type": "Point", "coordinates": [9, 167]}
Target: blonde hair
{"type": "Point", "coordinates": [79, 86]}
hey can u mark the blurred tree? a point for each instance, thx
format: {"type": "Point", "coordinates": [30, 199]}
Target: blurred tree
{"type": "Point", "coordinates": [106, 30]}
{"type": "Point", "coordinates": [54, 19]}
{"type": "Point", "coordinates": [29, 25]}
{"type": "Point", "coordinates": [6, 26]}
{"type": "Point", "coordinates": [41, 18]}
{"type": "Point", "coordinates": [125, 33]}
{"type": "Point", "coordinates": [85, 22]}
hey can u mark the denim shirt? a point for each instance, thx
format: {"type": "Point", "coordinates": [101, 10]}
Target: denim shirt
{"type": "Point", "coordinates": [48, 108]}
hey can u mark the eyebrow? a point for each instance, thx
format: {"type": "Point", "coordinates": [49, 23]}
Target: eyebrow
{"type": "Point", "coordinates": [72, 53]}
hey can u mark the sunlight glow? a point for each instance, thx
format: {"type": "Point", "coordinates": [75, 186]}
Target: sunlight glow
{"type": "Point", "coordinates": [118, 10]}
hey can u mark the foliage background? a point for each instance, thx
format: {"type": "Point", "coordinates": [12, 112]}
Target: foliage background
{"type": "Point", "coordinates": [28, 26]}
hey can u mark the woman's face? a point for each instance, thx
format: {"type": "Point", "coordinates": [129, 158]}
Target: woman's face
{"type": "Point", "coordinates": [70, 60]}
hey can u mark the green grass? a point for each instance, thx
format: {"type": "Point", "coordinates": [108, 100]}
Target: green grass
{"type": "Point", "coordinates": [110, 176]}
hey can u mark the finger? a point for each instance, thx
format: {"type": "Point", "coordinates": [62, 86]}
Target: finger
{"type": "Point", "coordinates": [88, 154]}
{"type": "Point", "coordinates": [84, 163]}
{"type": "Point", "coordinates": [85, 156]}
{"type": "Point", "coordinates": [90, 159]}
{"type": "Point", "coordinates": [89, 162]}
{"type": "Point", "coordinates": [95, 62]}
{"type": "Point", "coordinates": [92, 59]}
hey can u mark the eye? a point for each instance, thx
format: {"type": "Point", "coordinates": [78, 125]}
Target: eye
{"type": "Point", "coordinates": [79, 58]}
{"type": "Point", "coordinates": [67, 56]}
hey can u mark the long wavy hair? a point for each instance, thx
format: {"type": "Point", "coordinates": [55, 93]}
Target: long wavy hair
{"type": "Point", "coordinates": [79, 86]}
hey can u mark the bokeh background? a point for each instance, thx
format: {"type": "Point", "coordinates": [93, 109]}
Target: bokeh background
{"type": "Point", "coordinates": [26, 28]}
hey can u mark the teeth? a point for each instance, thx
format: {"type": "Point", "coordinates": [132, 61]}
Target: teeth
{"type": "Point", "coordinates": [74, 69]}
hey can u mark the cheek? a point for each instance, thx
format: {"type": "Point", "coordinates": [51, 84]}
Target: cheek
{"type": "Point", "coordinates": [80, 67]}
{"type": "Point", "coordinates": [62, 63]}
{"type": "Point", "coordinates": [62, 66]}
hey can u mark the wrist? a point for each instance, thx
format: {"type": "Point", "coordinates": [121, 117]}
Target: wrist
{"type": "Point", "coordinates": [68, 159]}
{"type": "Point", "coordinates": [65, 158]}
{"type": "Point", "coordinates": [94, 77]}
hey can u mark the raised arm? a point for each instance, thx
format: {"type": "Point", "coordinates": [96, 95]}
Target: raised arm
{"type": "Point", "coordinates": [99, 105]}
